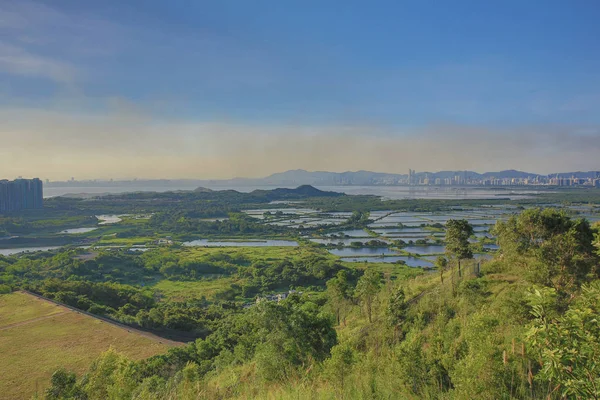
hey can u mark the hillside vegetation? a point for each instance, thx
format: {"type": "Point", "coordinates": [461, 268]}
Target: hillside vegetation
{"type": "Point", "coordinates": [523, 326]}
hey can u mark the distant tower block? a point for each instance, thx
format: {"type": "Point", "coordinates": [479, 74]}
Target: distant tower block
{"type": "Point", "coordinates": [21, 194]}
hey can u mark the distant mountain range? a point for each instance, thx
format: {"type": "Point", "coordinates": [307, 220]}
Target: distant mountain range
{"type": "Point", "coordinates": [324, 178]}
{"type": "Point", "coordinates": [299, 177]}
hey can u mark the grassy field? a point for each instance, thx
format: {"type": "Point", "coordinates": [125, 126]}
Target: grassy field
{"type": "Point", "coordinates": [184, 290]}
{"type": "Point", "coordinates": [115, 241]}
{"type": "Point", "coordinates": [38, 337]}
{"type": "Point", "coordinates": [394, 271]}
{"type": "Point", "coordinates": [253, 253]}
{"type": "Point", "coordinates": [18, 307]}
{"type": "Point", "coordinates": [245, 256]}
{"type": "Point", "coordinates": [242, 256]}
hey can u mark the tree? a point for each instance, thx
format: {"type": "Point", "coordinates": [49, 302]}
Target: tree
{"type": "Point", "coordinates": [441, 263]}
{"type": "Point", "coordinates": [340, 364]}
{"type": "Point", "coordinates": [397, 306]}
{"type": "Point", "coordinates": [63, 386]}
{"type": "Point", "coordinates": [396, 310]}
{"type": "Point", "coordinates": [458, 232]}
{"type": "Point", "coordinates": [338, 289]}
{"type": "Point", "coordinates": [567, 346]}
{"type": "Point", "coordinates": [367, 288]}
{"type": "Point", "coordinates": [554, 249]}
{"type": "Point", "coordinates": [358, 218]}
{"type": "Point", "coordinates": [597, 242]}
{"type": "Point", "coordinates": [110, 376]}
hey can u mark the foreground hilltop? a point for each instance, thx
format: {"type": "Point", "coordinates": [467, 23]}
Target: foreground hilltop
{"type": "Point", "coordinates": [505, 328]}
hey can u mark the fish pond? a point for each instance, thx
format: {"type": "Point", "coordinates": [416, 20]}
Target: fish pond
{"type": "Point", "coordinates": [17, 250]}
{"type": "Point", "coordinates": [410, 261]}
{"type": "Point", "coordinates": [434, 249]}
{"type": "Point", "coordinates": [75, 231]}
{"type": "Point", "coordinates": [362, 251]}
{"type": "Point", "coordinates": [248, 243]}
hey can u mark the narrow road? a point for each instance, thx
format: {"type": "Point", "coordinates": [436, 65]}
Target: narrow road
{"type": "Point", "coordinates": [30, 321]}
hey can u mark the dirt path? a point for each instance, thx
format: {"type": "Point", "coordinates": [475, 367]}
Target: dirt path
{"type": "Point", "coordinates": [30, 321]}
{"type": "Point", "coordinates": [101, 319]}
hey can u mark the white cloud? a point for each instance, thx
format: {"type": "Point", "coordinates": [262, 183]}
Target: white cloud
{"type": "Point", "coordinates": [40, 41]}
{"type": "Point", "coordinates": [19, 61]}
{"type": "Point", "coordinates": [122, 144]}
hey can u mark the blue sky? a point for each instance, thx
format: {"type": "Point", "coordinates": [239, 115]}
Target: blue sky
{"type": "Point", "coordinates": [397, 69]}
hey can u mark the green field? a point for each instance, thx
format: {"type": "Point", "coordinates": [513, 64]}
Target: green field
{"type": "Point", "coordinates": [37, 337]}
{"type": "Point", "coordinates": [174, 290]}
{"type": "Point", "coordinates": [394, 271]}
{"type": "Point", "coordinates": [185, 290]}
{"type": "Point", "coordinates": [207, 288]}
{"type": "Point", "coordinates": [366, 328]}
{"type": "Point", "coordinates": [253, 253]}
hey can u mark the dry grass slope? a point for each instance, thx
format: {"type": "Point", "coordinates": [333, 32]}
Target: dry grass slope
{"type": "Point", "coordinates": [38, 337]}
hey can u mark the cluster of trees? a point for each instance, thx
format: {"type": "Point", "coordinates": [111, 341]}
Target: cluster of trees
{"type": "Point", "coordinates": [102, 298]}
{"type": "Point", "coordinates": [435, 225]}
{"type": "Point", "coordinates": [311, 270]}
{"type": "Point", "coordinates": [120, 266]}
{"type": "Point", "coordinates": [136, 306]}
{"type": "Point", "coordinates": [35, 267]}
{"type": "Point", "coordinates": [374, 203]}
{"type": "Point", "coordinates": [279, 339]}
{"type": "Point", "coordinates": [111, 284]}
{"type": "Point", "coordinates": [39, 222]}
{"type": "Point", "coordinates": [553, 249]}
{"type": "Point", "coordinates": [369, 243]}
{"type": "Point", "coordinates": [184, 222]}
{"type": "Point", "coordinates": [177, 265]}
{"type": "Point", "coordinates": [344, 291]}
{"type": "Point", "coordinates": [359, 219]}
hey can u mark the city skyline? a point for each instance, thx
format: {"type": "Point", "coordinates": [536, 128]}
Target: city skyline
{"type": "Point", "coordinates": [413, 177]}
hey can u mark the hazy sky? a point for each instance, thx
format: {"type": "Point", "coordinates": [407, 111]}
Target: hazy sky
{"type": "Point", "coordinates": [199, 89]}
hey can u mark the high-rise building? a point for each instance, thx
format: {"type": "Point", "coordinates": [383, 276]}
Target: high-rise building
{"type": "Point", "coordinates": [21, 194]}
{"type": "Point", "coordinates": [411, 177]}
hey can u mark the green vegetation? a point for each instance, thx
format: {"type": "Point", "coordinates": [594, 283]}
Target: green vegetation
{"type": "Point", "coordinates": [367, 288]}
{"type": "Point", "coordinates": [504, 331]}
{"type": "Point", "coordinates": [202, 289]}
{"type": "Point", "coordinates": [42, 222]}
{"type": "Point", "coordinates": [553, 249]}
{"type": "Point", "coordinates": [297, 322]}
{"type": "Point", "coordinates": [458, 233]}
{"type": "Point", "coordinates": [103, 285]}
{"type": "Point", "coordinates": [572, 372]}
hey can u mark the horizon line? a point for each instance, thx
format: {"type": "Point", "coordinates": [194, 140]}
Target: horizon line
{"type": "Point", "coordinates": [133, 179]}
